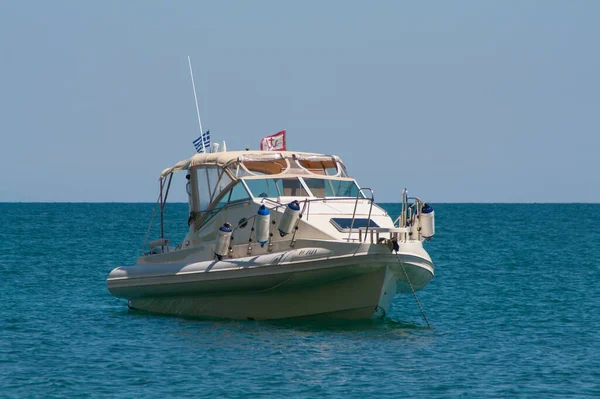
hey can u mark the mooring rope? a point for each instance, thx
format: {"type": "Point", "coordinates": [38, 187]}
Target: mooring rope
{"type": "Point", "coordinates": [413, 290]}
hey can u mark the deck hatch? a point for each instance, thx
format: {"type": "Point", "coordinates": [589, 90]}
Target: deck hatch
{"type": "Point", "coordinates": [343, 224]}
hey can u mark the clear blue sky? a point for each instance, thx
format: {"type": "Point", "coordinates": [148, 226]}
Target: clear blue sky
{"type": "Point", "coordinates": [474, 101]}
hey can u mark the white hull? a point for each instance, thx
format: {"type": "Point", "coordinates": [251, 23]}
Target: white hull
{"type": "Point", "coordinates": [297, 237]}
{"type": "Point", "coordinates": [295, 283]}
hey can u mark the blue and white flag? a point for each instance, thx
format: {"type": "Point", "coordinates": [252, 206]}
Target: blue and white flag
{"type": "Point", "coordinates": [202, 142]}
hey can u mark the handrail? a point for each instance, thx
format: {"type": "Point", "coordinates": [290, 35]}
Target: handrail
{"type": "Point", "coordinates": [279, 204]}
{"type": "Point", "coordinates": [403, 220]}
{"type": "Point", "coordinates": [404, 205]}
{"type": "Point", "coordinates": [415, 208]}
{"type": "Point", "coordinates": [372, 199]}
{"type": "Point", "coordinates": [306, 206]}
{"type": "Point", "coordinates": [308, 200]}
{"type": "Point", "coordinates": [370, 210]}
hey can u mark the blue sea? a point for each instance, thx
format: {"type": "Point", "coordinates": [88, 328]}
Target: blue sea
{"type": "Point", "coordinates": [514, 312]}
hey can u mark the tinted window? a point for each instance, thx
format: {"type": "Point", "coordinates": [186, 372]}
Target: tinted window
{"type": "Point", "coordinates": [331, 187]}
{"type": "Point", "coordinates": [238, 192]}
{"type": "Point", "coordinates": [264, 187]}
{"type": "Point", "coordinates": [210, 181]}
{"type": "Point", "coordinates": [276, 188]}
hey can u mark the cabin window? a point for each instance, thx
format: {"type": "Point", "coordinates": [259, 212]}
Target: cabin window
{"type": "Point", "coordinates": [343, 170]}
{"type": "Point", "coordinates": [211, 181]}
{"type": "Point", "coordinates": [237, 193]}
{"type": "Point", "coordinates": [271, 188]}
{"type": "Point", "coordinates": [321, 188]}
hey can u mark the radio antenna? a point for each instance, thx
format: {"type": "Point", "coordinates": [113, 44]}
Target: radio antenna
{"type": "Point", "coordinates": [195, 97]}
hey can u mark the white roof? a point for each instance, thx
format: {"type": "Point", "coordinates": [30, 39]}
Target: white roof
{"type": "Point", "coordinates": [225, 158]}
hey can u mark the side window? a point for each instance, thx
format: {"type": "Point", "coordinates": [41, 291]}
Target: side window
{"type": "Point", "coordinates": [224, 199]}
{"type": "Point", "coordinates": [210, 181]}
{"type": "Point", "coordinates": [203, 191]}
{"type": "Point", "coordinates": [238, 193]}
{"type": "Point", "coordinates": [343, 170]}
{"type": "Point", "coordinates": [223, 181]}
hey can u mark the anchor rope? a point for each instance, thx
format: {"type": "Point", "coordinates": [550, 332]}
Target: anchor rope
{"type": "Point", "coordinates": [413, 290]}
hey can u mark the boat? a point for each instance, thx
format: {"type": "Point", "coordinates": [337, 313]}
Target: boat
{"type": "Point", "coordinates": [275, 235]}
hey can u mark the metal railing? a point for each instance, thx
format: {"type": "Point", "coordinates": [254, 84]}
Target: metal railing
{"type": "Point", "coordinates": [410, 211]}
{"type": "Point", "coordinates": [360, 195]}
{"type": "Point", "coordinates": [372, 200]}
{"type": "Point", "coordinates": [401, 232]}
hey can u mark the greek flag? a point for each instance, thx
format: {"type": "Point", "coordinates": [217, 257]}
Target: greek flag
{"type": "Point", "coordinates": [202, 142]}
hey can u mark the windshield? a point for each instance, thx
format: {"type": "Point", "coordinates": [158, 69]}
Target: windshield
{"type": "Point", "coordinates": [271, 188]}
{"type": "Point", "coordinates": [210, 181]}
{"type": "Point", "coordinates": [331, 187]}
{"type": "Point", "coordinates": [293, 187]}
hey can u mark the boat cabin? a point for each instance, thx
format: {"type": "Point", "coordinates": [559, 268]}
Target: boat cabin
{"type": "Point", "coordinates": [225, 179]}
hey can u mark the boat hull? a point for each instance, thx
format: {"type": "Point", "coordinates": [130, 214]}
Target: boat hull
{"type": "Point", "coordinates": [351, 298]}
{"type": "Point", "coordinates": [307, 282]}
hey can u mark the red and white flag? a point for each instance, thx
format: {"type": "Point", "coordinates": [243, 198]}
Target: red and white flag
{"type": "Point", "coordinates": [275, 142]}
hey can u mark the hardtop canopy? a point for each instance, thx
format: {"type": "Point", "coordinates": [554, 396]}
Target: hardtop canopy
{"type": "Point", "coordinates": [229, 158]}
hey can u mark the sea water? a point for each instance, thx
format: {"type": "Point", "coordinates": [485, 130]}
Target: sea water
{"type": "Point", "coordinates": [514, 312]}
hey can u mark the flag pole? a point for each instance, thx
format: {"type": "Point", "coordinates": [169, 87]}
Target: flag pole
{"type": "Point", "coordinates": [195, 97]}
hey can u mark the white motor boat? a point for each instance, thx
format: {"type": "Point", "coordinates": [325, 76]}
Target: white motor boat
{"type": "Point", "coordinates": [276, 235]}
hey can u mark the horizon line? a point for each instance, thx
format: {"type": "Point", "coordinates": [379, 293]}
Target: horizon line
{"type": "Point", "coordinates": [382, 202]}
